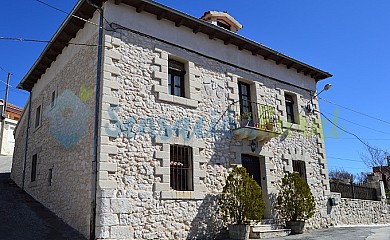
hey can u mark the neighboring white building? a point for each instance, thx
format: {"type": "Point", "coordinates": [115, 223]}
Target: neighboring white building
{"type": "Point", "coordinates": [173, 95]}
{"type": "Point", "coordinates": [7, 128]}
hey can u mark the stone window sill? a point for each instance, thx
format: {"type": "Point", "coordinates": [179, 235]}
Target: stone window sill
{"type": "Point", "coordinates": [178, 100]}
{"type": "Point", "coordinates": [293, 126]}
{"type": "Point", "coordinates": [189, 195]}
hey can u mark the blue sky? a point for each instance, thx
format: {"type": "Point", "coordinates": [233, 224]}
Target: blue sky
{"type": "Point", "coordinates": [346, 38]}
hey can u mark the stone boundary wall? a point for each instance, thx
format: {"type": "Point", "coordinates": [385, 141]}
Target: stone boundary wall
{"type": "Point", "coordinates": [358, 212]}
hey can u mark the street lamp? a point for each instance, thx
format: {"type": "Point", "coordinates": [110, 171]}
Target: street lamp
{"type": "Point", "coordinates": [309, 106]}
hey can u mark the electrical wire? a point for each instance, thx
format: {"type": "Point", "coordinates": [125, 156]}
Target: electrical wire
{"type": "Point", "coordinates": [1, 68]}
{"type": "Point", "coordinates": [345, 159]}
{"type": "Point", "coordinates": [342, 129]}
{"type": "Point", "coordinates": [338, 167]}
{"type": "Point", "coordinates": [363, 126]}
{"type": "Point", "coordinates": [60, 10]}
{"type": "Point", "coordinates": [347, 108]}
{"type": "Point", "coordinates": [45, 41]}
{"type": "Point", "coordinates": [366, 139]}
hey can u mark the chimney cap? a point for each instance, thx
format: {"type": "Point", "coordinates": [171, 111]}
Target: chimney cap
{"type": "Point", "coordinates": [213, 16]}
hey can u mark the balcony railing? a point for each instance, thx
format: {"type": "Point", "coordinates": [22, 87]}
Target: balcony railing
{"type": "Point", "coordinates": [255, 121]}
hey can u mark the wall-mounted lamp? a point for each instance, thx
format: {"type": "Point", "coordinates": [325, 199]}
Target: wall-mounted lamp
{"type": "Point", "coordinates": [309, 106]}
{"type": "Point", "coordinates": [253, 146]}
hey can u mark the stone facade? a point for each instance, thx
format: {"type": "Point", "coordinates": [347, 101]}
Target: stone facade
{"type": "Point", "coordinates": [63, 139]}
{"type": "Point", "coordinates": [141, 121]}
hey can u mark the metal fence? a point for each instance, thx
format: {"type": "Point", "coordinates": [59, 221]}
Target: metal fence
{"type": "Point", "coordinates": [353, 191]}
{"type": "Point", "coordinates": [252, 114]}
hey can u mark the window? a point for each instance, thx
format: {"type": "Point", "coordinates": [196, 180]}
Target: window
{"type": "Point", "coordinates": [34, 167]}
{"type": "Point", "coordinates": [38, 117]}
{"type": "Point", "coordinates": [53, 99]}
{"type": "Point", "coordinates": [244, 97]}
{"type": "Point", "coordinates": [50, 178]}
{"type": "Point", "coordinates": [181, 168]}
{"type": "Point", "coordinates": [299, 167]}
{"type": "Point", "coordinates": [176, 73]}
{"type": "Point", "coordinates": [223, 24]}
{"type": "Point", "coordinates": [290, 108]}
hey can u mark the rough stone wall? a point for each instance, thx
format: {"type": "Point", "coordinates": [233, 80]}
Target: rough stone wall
{"type": "Point", "coordinates": [64, 140]}
{"type": "Point", "coordinates": [135, 200]}
{"type": "Point", "coordinates": [358, 212]}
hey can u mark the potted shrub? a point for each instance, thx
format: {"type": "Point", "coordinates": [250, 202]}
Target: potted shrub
{"type": "Point", "coordinates": [295, 202]}
{"type": "Point", "coordinates": [245, 119]}
{"type": "Point", "coordinates": [241, 202]}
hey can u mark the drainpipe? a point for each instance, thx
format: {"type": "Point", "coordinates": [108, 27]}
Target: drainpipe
{"type": "Point", "coordinates": [26, 143]}
{"type": "Point", "coordinates": [94, 182]}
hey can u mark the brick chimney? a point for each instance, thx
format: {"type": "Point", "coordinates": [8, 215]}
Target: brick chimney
{"type": "Point", "coordinates": [223, 20]}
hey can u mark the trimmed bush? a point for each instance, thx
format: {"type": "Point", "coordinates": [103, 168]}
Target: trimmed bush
{"type": "Point", "coordinates": [242, 198]}
{"type": "Point", "coordinates": [295, 201]}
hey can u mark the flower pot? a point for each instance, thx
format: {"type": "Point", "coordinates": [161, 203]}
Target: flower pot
{"type": "Point", "coordinates": [295, 226]}
{"type": "Point", "coordinates": [238, 231]}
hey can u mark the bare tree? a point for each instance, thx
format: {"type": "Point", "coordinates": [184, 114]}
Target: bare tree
{"type": "Point", "coordinates": [340, 174]}
{"type": "Point", "coordinates": [374, 156]}
{"type": "Point", "coordinates": [361, 178]}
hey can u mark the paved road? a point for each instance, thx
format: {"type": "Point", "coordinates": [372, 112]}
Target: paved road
{"type": "Point", "coordinates": [23, 218]}
{"type": "Point", "coordinates": [345, 233]}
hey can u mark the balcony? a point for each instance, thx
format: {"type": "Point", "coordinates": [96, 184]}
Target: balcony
{"type": "Point", "coordinates": [255, 121]}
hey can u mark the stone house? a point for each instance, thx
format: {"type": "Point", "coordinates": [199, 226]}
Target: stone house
{"type": "Point", "coordinates": [7, 127]}
{"type": "Point", "coordinates": [180, 101]}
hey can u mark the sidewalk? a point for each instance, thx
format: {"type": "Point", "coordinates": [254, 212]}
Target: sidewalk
{"type": "Point", "coordinates": [381, 232]}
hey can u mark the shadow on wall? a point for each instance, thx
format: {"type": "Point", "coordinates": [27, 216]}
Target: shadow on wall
{"type": "Point", "coordinates": [207, 224]}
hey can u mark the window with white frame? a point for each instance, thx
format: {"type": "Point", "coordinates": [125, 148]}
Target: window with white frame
{"type": "Point", "coordinates": [176, 75]}
{"type": "Point", "coordinates": [291, 108]}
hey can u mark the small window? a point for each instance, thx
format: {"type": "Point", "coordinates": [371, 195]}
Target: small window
{"type": "Point", "coordinates": [290, 108]}
{"type": "Point", "coordinates": [181, 168]}
{"type": "Point", "coordinates": [53, 99]}
{"type": "Point", "coordinates": [38, 117]}
{"type": "Point", "coordinates": [50, 177]}
{"type": "Point", "coordinates": [176, 74]}
{"type": "Point", "coordinates": [299, 167]}
{"type": "Point", "coordinates": [34, 167]}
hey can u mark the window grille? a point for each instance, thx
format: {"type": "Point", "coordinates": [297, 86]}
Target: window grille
{"type": "Point", "coordinates": [181, 168]}
{"type": "Point", "coordinates": [300, 167]}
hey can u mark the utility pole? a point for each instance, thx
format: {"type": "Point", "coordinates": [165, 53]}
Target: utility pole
{"type": "Point", "coordinates": [4, 114]}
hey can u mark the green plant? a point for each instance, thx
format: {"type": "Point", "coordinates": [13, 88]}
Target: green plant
{"type": "Point", "coordinates": [242, 198]}
{"type": "Point", "coordinates": [295, 201]}
{"type": "Point", "coordinates": [246, 115]}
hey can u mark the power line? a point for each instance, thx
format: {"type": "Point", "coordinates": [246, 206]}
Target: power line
{"type": "Point", "coordinates": [45, 41]}
{"type": "Point", "coordinates": [367, 139]}
{"type": "Point", "coordinates": [342, 129]}
{"type": "Point", "coordinates": [345, 159]}
{"type": "Point", "coordinates": [3, 69]}
{"type": "Point", "coordinates": [347, 108]}
{"type": "Point", "coordinates": [360, 125]}
{"type": "Point", "coordinates": [60, 10]}
{"type": "Point", "coordinates": [338, 167]}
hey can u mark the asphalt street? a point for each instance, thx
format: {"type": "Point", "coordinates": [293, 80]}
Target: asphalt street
{"type": "Point", "coordinates": [345, 233]}
{"type": "Point", "coordinates": [23, 218]}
